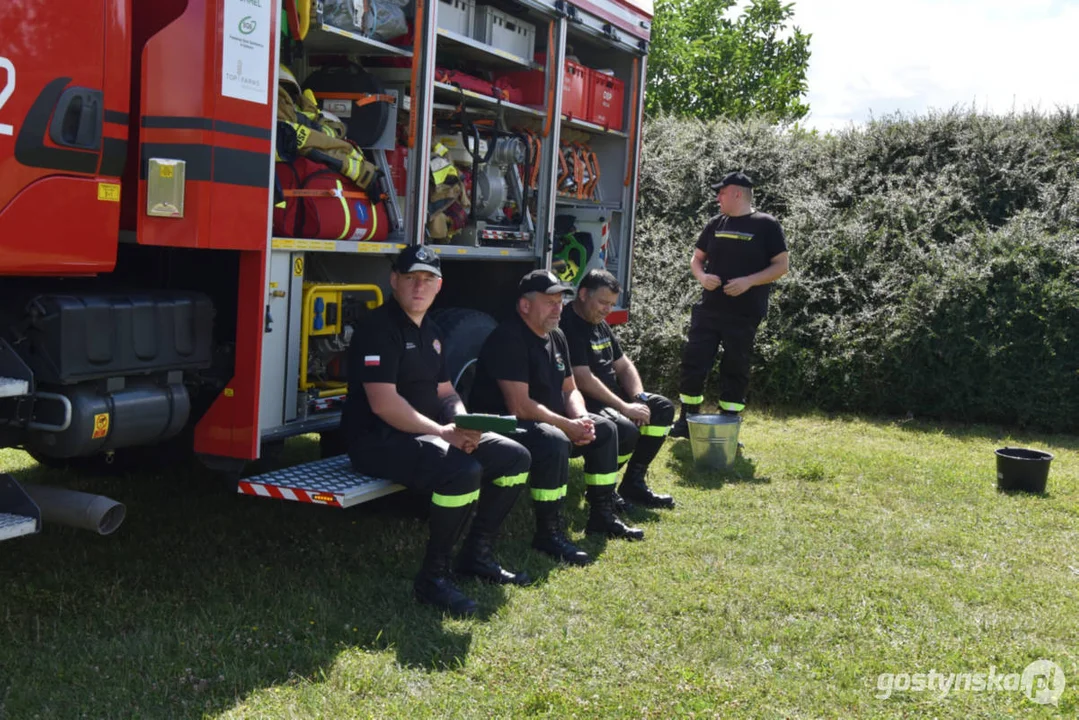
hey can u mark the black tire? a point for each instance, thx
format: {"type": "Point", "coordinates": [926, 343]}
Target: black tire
{"type": "Point", "coordinates": [464, 332]}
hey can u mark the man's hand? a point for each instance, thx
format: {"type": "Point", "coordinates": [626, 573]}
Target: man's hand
{"type": "Point", "coordinates": [581, 431]}
{"type": "Point", "coordinates": [464, 440]}
{"type": "Point", "coordinates": [711, 282]}
{"type": "Point", "coordinates": [737, 286]}
{"type": "Point", "coordinates": [637, 412]}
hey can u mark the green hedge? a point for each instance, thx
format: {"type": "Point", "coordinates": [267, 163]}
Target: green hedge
{"type": "Point", "coordinates": [935, 262]}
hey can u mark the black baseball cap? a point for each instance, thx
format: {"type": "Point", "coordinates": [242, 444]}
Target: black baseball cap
{"type": "Point", "coordinates": [543, 281]}
{"type": "Point", "coordinates": [418, 258]}
{"type": "Point", "coordinates": [734, 178]}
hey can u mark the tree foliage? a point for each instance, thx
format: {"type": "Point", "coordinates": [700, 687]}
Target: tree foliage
{"type": "Point", "coordinates": [704, 64]}
{"type": "Point", "coordinates": [934, 262]}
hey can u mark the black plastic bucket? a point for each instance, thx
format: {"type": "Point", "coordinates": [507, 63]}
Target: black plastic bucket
{"type": "Point", "coordinates": [1022, 469]}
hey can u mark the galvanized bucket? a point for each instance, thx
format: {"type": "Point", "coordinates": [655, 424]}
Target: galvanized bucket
{"type": "Point", "coordinates": [714, 439]}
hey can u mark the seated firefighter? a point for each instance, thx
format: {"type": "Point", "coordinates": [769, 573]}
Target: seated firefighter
{"type": "Point", "coordinates": [524, 369]}
{"type": "Point", "coordinates": [612, 387]}
{"type": "Point", "coordinates": [398, 423]}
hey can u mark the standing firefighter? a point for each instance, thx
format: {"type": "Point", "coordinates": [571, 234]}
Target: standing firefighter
{"type": "Point", "coordinates": [739, 254]}
{"type": "Point", "coordinates": [524, 369]}
{"type": "Point", "coordinates": [612, 387]}
{"type": "Point", "coordinates": [398, 421]}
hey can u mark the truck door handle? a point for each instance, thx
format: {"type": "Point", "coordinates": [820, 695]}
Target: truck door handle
{"type": "Point", "coordinates": [78, 119]}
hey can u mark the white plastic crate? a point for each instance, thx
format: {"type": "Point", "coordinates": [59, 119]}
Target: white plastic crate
{"type": "Point", "coordinates": [457, 16]}
{"type": "Point", "coordinates": [504, 32]}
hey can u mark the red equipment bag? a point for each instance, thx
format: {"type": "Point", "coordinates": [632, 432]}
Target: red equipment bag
{"type": "Point", "coordinates": [323, 204]}
{"type": "Point", "coordinates": [475, 84]}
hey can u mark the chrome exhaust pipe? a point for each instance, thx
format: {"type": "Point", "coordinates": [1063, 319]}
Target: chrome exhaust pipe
{"type": "Point", "coordinates": [96, 513]}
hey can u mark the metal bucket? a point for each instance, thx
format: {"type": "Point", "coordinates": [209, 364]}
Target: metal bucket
{"type": "Point", "coordinates": [714, 439]}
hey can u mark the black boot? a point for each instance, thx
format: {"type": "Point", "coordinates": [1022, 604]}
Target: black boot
{"type": "Point", "coordinates": [680, 429]}
{"type": "Point", "coordinates": [477, 558]}
{"type": "Point", "coordinates": [551, 539]}
{"type": "Point", "coordinates": [601, 517]}
{"type": "Point", "coordinates": [622, 507]}
{"type": "Point", "coordinates": [635, 488]}
{"type": "Point", "coordinates": [433, 585]}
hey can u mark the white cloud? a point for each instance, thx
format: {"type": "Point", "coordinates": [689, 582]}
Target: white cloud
{"type": "Point", "coordinates": [872, 58]}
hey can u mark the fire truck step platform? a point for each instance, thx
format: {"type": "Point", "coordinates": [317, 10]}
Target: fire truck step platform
{"type": "Point", "coordinates": [331, 481]}
{"type": "Point", "coordinates": [13, 387]}
{"type": "Point", "coordinates": [12, 526]}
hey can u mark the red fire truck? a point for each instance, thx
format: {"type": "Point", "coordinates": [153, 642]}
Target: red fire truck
{"type": "Point", "coordinates": [160, 292]}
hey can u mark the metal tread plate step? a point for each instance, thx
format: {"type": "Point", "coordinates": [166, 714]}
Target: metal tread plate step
{"type": "Point", "coordinates": [331, 481]}
{"type": "Point", "coordinates": [13, 387]}
{"type": "Point", "coordinates": [12, 526]}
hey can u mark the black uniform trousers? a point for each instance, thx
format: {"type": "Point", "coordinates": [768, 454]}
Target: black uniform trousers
{"type": "Point", "coordinates": [551, 450]}
{"type": "Point", "coordinates": [707, 330]}
{"type": "Point", "coordinates": [428, 463]}
{"type": "Point", "coordinates": [640, 445]}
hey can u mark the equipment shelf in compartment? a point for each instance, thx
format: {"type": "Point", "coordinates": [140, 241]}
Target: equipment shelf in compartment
{"type": "Point", "coordinates": [341, 246]}
{"type": "Point", "coordinates": [482, 53]}
{"type": "Point", "coordinates": [451, 251]}
{"type": "Point", "coordinates": [330, 39]}
{"type": "Point", "coordinates": [449, 92]}
{"type": "Point", "coordinates": [591, 127]}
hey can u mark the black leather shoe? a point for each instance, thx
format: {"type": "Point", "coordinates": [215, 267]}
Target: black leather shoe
{"type": "Point", "coordinates": [440, 592]}
{"type": "Point", "coordinates": [488, 570]}
{"type": "Point", "coordinates": [642, 495]}
{"type": "Point", "coordinates": [680, 429]}
{"type": "Point", "coordinates": [560, 548]}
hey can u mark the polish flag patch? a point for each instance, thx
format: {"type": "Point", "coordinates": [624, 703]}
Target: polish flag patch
{"type": "Point", "coordinates": [372, 360]}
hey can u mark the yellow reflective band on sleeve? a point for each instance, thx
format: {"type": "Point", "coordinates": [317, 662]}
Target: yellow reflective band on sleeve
{"type": "Point", "coordinates": [655, 430]}
{"type": "Point", "coordinates": [455, 501]}
{"type": "Point", "coordinates": [691, 399]}
{"type": "Point", "coordinates": [348, 211]}
{"type": "Point", "coordinates": [600, 478]}
{"type": "Point", "coordinates": [544, 495]}
{"type": "Point", "coordinates": [624, 458]}
{"type": "Point", "coordinates": [731, 407]}
{"type": "Point", "coordinates": [510, 480]}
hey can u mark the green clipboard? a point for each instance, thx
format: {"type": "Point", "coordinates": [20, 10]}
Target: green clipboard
{"type": "Point", "coordinates": [486, 423]}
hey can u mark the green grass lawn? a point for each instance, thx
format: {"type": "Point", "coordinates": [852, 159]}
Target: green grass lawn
{"type": "Point", "coordinates": [836, 550]}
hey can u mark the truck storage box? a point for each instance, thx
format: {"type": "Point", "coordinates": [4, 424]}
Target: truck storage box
{"type": "Point", "coordinates": [531, 85]}
{"type": "Point", "coordinates": [457, 16]}
{"type": "Point", "coordinates": [504, 32]}
{"type": "Point", "coordinates": [606, 98]}
{"type": "Point", "coordinates": [76, 338]}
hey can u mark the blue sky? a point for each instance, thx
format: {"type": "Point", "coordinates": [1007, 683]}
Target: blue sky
{"type": "Point", "coordinates": [871, 58]}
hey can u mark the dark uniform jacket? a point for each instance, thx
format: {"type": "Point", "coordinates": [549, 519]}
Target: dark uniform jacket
{"type": "Point", "coordinates": [389, 348]}
{"type": "Point", "coordinates": [594, 346]}
{"type": "Point", "coordinates": [736, 247]}
{"type": "Point", "coordinates": [513, 352]}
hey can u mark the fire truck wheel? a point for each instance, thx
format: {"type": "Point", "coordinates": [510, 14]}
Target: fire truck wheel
{"type": "Point", "coordinates": [464, 331]}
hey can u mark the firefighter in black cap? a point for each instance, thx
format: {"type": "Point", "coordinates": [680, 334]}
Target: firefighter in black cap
{"type": "Point", "coordinates": [739, 254]}
{"type": "Point", "coordinates": [525, 369]}
{"type": "Point", "coordinates": [398, 421]}
{"type": "Point", "coordinates": [612, 387]}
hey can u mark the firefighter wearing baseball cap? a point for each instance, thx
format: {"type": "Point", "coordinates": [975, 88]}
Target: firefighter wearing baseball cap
{"type": "Point", "coordinates": [738, 255]}
{"type": "Point", "coordinates": [612, 387]}
{"type": "Point", "coordinates": [398, 421]}
{"type": "Point", "coordinates": [525, 369]}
